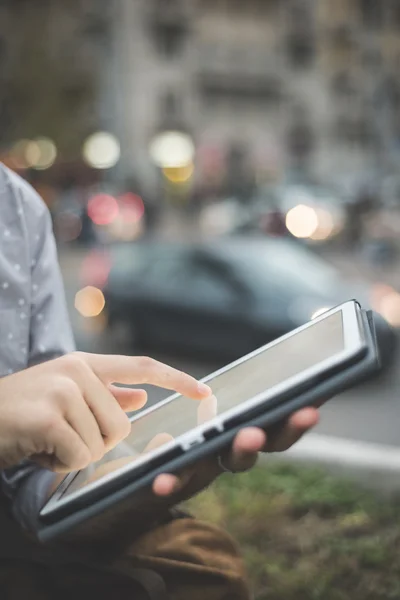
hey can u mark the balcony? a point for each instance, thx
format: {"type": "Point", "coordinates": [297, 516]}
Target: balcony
{"type": "Point", "coordinates": [353, 130]}
{"type": "Point", "coordinates": [236, 70]}
{"type": "Point", "coordinates": [300, 49]}
{"type": "Point", "coordinates": [169, 13]}
{"type": "Point", "coordinates": [169, 25]}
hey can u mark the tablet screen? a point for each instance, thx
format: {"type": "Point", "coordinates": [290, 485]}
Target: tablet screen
{"type": "Point", "coordinates": [233, 386]}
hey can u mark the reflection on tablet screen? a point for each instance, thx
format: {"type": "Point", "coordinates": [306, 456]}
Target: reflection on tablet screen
{"type": "Point", "coordinates": [289, 357]}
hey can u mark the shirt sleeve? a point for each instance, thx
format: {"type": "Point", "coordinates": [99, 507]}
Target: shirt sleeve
{"type": "Point", "coordinates": [27, 485]}
{"type": "Point", "coordinates": [50, 333]}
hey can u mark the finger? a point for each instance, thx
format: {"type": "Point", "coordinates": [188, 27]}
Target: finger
{"type": "Point", "coordinates": [129, 399]}
{"type": "Point", "coordinates": [112, 421]}
{"type": "Point", "coordinates": [207, 410]}
{"type": "Point", "coordinates": [159, 440]}
{"type": "Point", "coordinates": [166, 485]}
{"type": "Point", "coordinates": [305, 418]}
{"type": "Point", "coordinates": [82, 420]}
{"type": "Point", "coordinates": [113, 465]}
{"type": "Point", "coordinates": [68, 452]}
{"type": "Point", "coordinates": [139, 370]}
{"type": "Point", "coordinates": [245, 448]}
{"type": "Point", "coordinates": [296, 426]}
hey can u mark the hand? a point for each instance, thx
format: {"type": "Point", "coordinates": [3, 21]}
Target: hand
{"type": "Point", "coordinates": [242, 456]}
{"type": "Point", "coordinates": [169, 490]}
{"type": "Point", "coordinates": [66, 413]}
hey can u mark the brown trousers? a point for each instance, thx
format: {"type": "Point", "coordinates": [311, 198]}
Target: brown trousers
{"type": "Point", "coordinates": [182, 559]}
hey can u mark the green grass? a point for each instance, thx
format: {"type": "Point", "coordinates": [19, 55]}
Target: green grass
{"type": "Point", "coordinates": [307, 536]}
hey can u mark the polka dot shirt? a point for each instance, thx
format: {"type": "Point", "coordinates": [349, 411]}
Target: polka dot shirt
{"type": "Point", "coordinates": [34, 324]}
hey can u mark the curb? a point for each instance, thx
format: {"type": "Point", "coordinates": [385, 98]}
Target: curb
{"type": "Point", "coordinates": [373, 465]}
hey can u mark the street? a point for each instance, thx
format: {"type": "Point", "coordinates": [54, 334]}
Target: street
{"type": "Point", "coordinates": [369, 413]}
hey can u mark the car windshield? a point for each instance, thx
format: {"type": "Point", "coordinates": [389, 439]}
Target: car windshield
{"type": "Point", "coordinates": [126, 255]}
{"type": "Point", "coordinates": [288, 266]}
{"type": "Point", "coordinates": [145, 258]}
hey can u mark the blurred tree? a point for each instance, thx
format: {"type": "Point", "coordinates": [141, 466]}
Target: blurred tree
{"type": "Point", "coordinates": [47, 81]}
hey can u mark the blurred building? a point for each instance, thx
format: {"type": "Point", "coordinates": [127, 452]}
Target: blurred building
{"type": "Point", "coordinates": [52, 57]}
{"type": "Point", "coordinates": [262, 86]}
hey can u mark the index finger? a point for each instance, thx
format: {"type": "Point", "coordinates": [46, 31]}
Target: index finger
{"type": "Point", "coordinates": [132, 370]}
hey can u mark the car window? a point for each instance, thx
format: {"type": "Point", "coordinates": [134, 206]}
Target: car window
{"type": "Point", "coordinates": [196, 281]}
{"type": "Point", "coordinates": [167, 272]}
{"type": "Point", "coordinates": [211, 286]}
{"type": "Point", "coordinates": [289, 266]}
{"type": "Point", "coordinates": [127, 260]}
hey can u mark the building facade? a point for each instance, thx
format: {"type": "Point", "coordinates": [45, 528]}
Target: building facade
{"type": "Point", "coordinates": [263, 87]}
{"type": "Point", "coordinates": [273, 85]}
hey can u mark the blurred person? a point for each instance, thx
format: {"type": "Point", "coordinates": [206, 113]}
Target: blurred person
{"type": "Point", "coordinates": [139, 553]}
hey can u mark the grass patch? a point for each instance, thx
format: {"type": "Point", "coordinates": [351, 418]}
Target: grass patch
{"type": "Point", "coordinates": [308, 536]}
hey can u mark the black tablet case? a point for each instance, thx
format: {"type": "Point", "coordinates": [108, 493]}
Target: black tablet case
{"type": "Point", "coordinates": [331, 386]}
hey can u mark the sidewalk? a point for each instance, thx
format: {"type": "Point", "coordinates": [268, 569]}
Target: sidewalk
{"type": "Point", "coordinates": [375, 466]}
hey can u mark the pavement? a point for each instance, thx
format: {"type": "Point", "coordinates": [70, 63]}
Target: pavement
{"type": "Point", "coordinates": [359, 432]}
{"type": "Point", "coordinates": [374, 466]}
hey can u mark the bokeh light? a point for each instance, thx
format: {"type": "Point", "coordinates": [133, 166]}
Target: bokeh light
{"type": "Point", "coordinates": [101, 150]}
{"type": "Point", "coordinates": [218, 219]}
{"type": "Point", "coordinates": [126, 231]}
{"type": "Point", "coordinates": [386, 301]}
{"type": "Point", "coordinates": [46, 153]}
{"type": "Point", "coordinates": [378, 292]}
{"type": "Point", "coordinates": [95, 269]}
{"type": "Point", "coordinates": [131, 207]}
{"type": "Point", "coordinates": [34, 154]}
{"type": "Point", "coordinates": [172, 149]}
{"type": "Point", "coordinates": [390, 308]}
{"type": "Point", "coordinates": [325, 227]}
{"type": "Point", "coordinates": [18, 154]}
{"type": "Point", "coordinates": [179, 174]}
{"type": "Point", "coordinates": [90, 302]}
{"type": "Point", "coordinates": [302, 221]}
{"type": "Point", "coordinates": [103, 209]}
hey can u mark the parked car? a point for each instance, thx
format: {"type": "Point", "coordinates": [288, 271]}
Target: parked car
{"type": "Point", "coordinates": [232, 217]}
{"type": "Point", "coordinates": [222, 298]}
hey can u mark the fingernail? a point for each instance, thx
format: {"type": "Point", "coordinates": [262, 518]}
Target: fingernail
{"type": "Point", "coordinates": [204, 389]}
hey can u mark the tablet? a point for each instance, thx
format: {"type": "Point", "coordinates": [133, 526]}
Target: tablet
{"type": "Point", "coordinates": [323, 357]}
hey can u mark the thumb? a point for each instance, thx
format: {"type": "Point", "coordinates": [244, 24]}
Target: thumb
{"type": "Point", "coordinates": [129, 399]}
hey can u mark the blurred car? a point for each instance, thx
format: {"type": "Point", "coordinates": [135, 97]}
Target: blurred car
{"type": "Point", "coordinates": [222, 298]}
{"type": "Point", "coordinates": [306, 211]}
{"type": "Point", "coordinates": [313, 212]}
{"type": "Point", "coordinates": [232, 216]}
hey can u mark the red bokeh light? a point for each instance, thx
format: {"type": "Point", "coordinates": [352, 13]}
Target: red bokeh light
{"type": "Point", "coordinates": [95, 269]}
{"type": "Point", "coordinates": [103, 209]}
{"type": "Point", "coordinates": [131, 207]}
